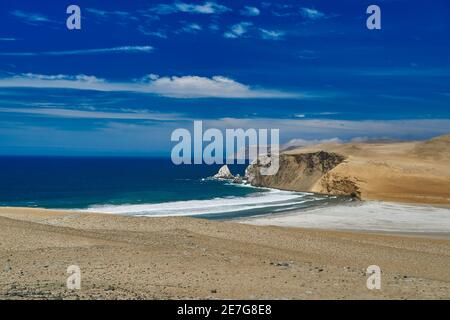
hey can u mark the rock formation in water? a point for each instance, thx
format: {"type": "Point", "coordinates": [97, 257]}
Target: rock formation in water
{"type": "Point", "coordinates": [238, 179]}
{"type": "Point", "coordinates": [224, 173]}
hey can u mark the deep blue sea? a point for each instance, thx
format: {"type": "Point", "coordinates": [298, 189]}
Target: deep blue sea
{"type": "Point", "coordinates": [139, 186]}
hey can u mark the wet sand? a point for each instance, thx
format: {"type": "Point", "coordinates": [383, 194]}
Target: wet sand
{"type": "Point", "coordinates": [367, 216]}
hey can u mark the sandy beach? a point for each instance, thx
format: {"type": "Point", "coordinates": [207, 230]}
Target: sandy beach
{"type": "Point", "coordinates": [373, 216]}
{"type": "Point", "coordinates": [170, 258]}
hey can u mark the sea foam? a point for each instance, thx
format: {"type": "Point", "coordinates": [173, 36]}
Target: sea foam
{"type": "Point", "coordinates": [269, 199]}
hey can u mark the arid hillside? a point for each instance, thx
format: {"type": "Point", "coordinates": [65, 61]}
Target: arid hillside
{"type": "Point", "coordinates": [417, 172]}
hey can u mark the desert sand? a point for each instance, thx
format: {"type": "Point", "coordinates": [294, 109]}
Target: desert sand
{"type": "Point", "coordinates": [159, 258]}
{"type": "Point", "coordinates": [410, 172]}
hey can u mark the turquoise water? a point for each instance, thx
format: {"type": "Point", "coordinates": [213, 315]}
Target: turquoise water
{"type": "Point", "coordinates": [139, 186]}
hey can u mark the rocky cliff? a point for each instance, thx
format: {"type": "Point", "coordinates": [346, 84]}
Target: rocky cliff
{"type": "Point", "coordinates": [309, 172]}
{"type": "Point", "coordinates": [416, 171]}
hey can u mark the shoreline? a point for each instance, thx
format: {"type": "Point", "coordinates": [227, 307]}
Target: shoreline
{"type": "Point", "coordinates": [360, 217]}
{"type": "Point", "coordinates": [278, 220]}
{"type": "Point", "coordinates": [364, 216]}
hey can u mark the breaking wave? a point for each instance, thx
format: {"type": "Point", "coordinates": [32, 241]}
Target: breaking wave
{"type": "Point", "coordinates": [270, 200]}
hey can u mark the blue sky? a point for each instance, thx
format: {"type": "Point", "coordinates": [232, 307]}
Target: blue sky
{"type": "Point", "coordinates": [139, 69]}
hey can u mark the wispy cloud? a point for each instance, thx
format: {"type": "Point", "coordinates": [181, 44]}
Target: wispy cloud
{"type": "Point", "coordinates": [246, 29]}
{"type": "Point", "coordinates": [159, 33]}
{"type": "Point", "coordinates": [238, 30]}
{"type": "Point", "coordinates": [8, 39]}
{"type": "Point", "coordinates": [123, 49]}
{"type": "Point", "coordinates": [305, 142]}
{"type": "Point", "coordinates": [250, 11]}
{"type": "Point", "coordinates": [175, 87]}
{"type": "Point", "coordinates": [282, 10]}
{"type": "Point", "coordinates": [88, 114]}
{"type": "Point", "coordinates": [114, 14]}
{"type": "Point", "coordinates": [342, 129]}
{"type": "Point", "coordinates": [177, 7]}
{"type": "Point", "coordinates": [312, 14]}
{"type": "Point", "coordinates": [307, 55]}
{"type": "Point", "coordinates": [30, 17]}
{"type": "Point", "coordinates": [272, 34]}
{"type": "Point", "coordinates": [190, 28]}
{"type": "Point", "coordinates": [404, 71]}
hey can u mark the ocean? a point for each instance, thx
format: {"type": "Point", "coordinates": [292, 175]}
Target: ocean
{"type": "Point", "coordinates": [140, 187]}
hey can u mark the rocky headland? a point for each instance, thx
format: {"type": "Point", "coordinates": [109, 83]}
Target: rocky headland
{"type": "Point", "coordinates": [416, 172]}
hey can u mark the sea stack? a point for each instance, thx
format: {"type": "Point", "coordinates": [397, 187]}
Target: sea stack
{"type": "Point", "coordinates": [238, 179]}
{"type": "Point", "coordinates": [224, 173]}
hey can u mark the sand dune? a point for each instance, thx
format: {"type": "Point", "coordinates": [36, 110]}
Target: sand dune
{"type": "Point", "coordinates": [416, 172]}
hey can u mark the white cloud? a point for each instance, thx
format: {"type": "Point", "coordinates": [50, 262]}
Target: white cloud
{"type": "Point", "coordinates": [164, 9]}
{"type": "Point", "coordinates": [401, 71]}
{"type": "Point", "coordinates": [8, 39]}
{"type": "Point", "coordinates": [155, 33]}
{"type": "Point", "coordinates": [238, 30]}
{"type": "Point", "coordinates": [123, 49]}
{"type": "Point", "coordinates": [115, 14]}
{"type": "Point", "coordinates": [85, 114]}
{"type": "Point", "coordinates": [271, 34]}
{"type": "Point", "coordinates": [30, 17]}
{"type": "Point", "coordinates": [312, 14]}
{"type": "Point", "coordinates": [342, 129]}
{"type": "Point", "coordinates": [305, 142]}
{"type": "Point", "coordinates": [313, 114]}
{"type": "Point", "coordinates": [175, 87]}
{"type": "Point", "coordinates": [190, 28]}
{"type": "Point", "coordinates": [241, 30]}
{"type": "Point", "coordinates": [80, 82]}
{"type": "Point", "coordinates": [250, 11]}
{"type": "Point", "coordinates": [60, 77]}
{"type": "Point", "coordinates": [203, 87]}
{"type": "Point", "coordinates": [282, 10]}
{"type": "Point", "coordinates": [205, 8]}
